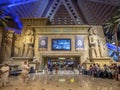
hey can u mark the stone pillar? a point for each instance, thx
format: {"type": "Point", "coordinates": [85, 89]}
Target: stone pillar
{"type": "Point", "coordinates": [7, 45]}
{"type": "Point", "coordinates": [1, 31]}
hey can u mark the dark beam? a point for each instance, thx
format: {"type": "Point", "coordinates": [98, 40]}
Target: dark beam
{"type": "Point", "coordinates": [97, 9]}
{"type": "Point", "coordinates": [79, 11]}
{"type": "Point", "coordinates": [110, 2]}
{"type": "Point", "coordinates": [109, 15]}
{"type": "Point", "coordinates": [101, 10]}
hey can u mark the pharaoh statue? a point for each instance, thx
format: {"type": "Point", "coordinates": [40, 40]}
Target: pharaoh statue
{"type": "Point", "coordinates": [96, 46]}
{"type": "Point", "coordinates": [28, 43]}
{"type": "Point", "coordinates": [18, 48]}
{"type": "Point", "coordinates": [101, 48]}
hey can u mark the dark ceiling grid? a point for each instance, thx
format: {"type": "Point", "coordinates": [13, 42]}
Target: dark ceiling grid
{"type": "Point", "coordinates": [91, 5]}
{"type": "Point", "coordinates": [70, 11]}
{"type": "Point", "coordinates": [98, 12]}
{"type": "Point", "coordinates": [109, 2]}
{"type": "Point", "coordinates": [21, 11]}
{"type": "Point", "coordinates": [74, 11]}
{"type": "Point", "coordinates": [18, 10]}
{"type": "Point", "coordinates": [84, 10]}
{"type": "Point", "coordinates": [104, 15]}
{"type": "Point", "coordinates": [91, 9]}
{"type": "Point", "coordinates": [31, 10]}
{"type": "Point", "coordinates": [111, 11]}
{"type": "Point", "coordinates": [63, 17]}
{"type": "Point", "coordinates": [34, 8]}
{"type": "Point", "coordinates": [13, 11]}
{"type": "Point", "coordinates": [49, 5]}
{"type": "Point", "coordinates": [52, 10]}
{"type": "Point", "coordinates": [41, 5]}
{"type": "Point", "coordinates": [94, 9]}
{"type": "Point", "coordinates": [81, 11]}
{"type": "Point", "coordinates": [25, 8]}
{"type": "Point", "coordinates": [95, 12]}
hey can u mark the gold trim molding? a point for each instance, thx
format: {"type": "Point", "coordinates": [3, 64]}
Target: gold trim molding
{"type": "Point", "coordinates": [62, 29]}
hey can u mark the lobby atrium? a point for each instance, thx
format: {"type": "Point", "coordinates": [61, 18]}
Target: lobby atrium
{"type": "Point", "coordinates": [59, 44]}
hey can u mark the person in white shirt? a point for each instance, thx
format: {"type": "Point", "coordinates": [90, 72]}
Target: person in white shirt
{"type": "Point", "coordinates": [5, 74]}
{"type": "Point", "coordinates": [25, 72]}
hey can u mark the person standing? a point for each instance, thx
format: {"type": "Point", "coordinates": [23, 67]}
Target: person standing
{"type": "Point", "coordinates": [25, 72]}
{"type": "Point", "coordinates": [79, 68]}
{"type": "Point", "coordinates": [5, 74]}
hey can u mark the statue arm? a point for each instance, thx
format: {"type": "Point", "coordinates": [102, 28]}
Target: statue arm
{"type": "Point", "coordinates": [24, 40]}
{"type": "Point", "coordinates": [90, 40]}
{"type": "Point", "coordinates": [32, 41]}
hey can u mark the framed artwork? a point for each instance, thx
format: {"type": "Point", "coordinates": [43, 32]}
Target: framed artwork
{"type": "Point", "coordinates": [43, 42]}
{"type": "Point", "coordinates": [79, 43]}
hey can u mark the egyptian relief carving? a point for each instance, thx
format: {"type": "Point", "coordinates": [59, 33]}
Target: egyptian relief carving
{"type": "Point", "coordinates": [17, 45]}
{"type": "Point", "coordinates": [7, 45]}
{"type": "Point", "coordinates": [24, 44]}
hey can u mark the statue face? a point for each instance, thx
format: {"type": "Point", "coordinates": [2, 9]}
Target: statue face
{"type": "Point", "coordinates": [92, 31]}
{"type": "Point", "coordinates": [29, 32]}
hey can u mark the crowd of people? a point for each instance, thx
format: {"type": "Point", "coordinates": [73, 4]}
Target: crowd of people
{"type": "Point", "coordinates": [57, 66]}
{"type": "Point", "coordinates": [111, 72]}
{"type": "Point", "coordinates": [95, 70]}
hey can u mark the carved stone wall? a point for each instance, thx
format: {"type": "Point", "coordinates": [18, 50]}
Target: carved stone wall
{"type": "Point", "coordinates": [16, 46]}
{"type": "Point", "coordinates": [1, 31]}
{"type": "Point", "coordinates": [6, 45]}
{"type": "Point", "coordinates": [54, 32]}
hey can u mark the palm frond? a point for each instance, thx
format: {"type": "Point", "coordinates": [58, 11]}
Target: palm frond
{"type": "Point", "coordinates": [117, 21]}
{"type": "Point", "coordinates": [3, 23]}
{"type": "Point", "coordinates": [116, 17]}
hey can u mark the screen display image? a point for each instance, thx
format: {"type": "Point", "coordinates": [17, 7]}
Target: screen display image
{"type": "Point", "coordinates": [61, 44]}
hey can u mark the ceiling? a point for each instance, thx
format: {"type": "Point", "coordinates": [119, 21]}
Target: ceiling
{"type": "Point", "coordinates": [63, 11]}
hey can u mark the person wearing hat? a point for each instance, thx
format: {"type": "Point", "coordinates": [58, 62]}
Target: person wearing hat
{"type": "Point", "coordinates": [5, 74]}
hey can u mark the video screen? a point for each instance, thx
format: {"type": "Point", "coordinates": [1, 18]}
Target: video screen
{"type": "Point", "coordinates": [61, 44]}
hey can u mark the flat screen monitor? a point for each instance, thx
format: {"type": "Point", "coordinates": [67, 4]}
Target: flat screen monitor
{"type": "Point", "coordinates": [61, 44]}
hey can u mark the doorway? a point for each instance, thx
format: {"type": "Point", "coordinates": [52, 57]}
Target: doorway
{"type": "Point", "coordinates": [63, 62]}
